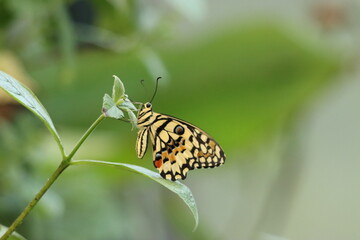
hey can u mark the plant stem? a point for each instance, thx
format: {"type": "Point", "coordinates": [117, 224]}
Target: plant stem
{"type": "Point", "coordinates": [63, 165]}
{"type": "Point", "coordinates": [83, 138]}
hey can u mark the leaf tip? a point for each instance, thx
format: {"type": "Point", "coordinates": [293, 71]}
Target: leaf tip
{"type": "Point", "coordinates": [196, 223]}
{"type": "Point", "coordinates": [118, 90]}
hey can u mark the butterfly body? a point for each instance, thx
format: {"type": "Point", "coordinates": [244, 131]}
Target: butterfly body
{"type": "Point", "coordinates": [178, 146]}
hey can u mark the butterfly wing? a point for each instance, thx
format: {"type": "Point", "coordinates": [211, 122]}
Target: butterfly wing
{"type": "Point", "coordinates": [179, 146]}
{"type": "Point", "coordinates": [142, 142]}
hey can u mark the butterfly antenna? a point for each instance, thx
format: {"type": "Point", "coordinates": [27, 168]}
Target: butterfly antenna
{"type": "Point", "coordinates": [156, 87]}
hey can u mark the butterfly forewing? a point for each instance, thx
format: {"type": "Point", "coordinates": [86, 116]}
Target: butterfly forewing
{"type": "Point", "coordinates": [178, 146]}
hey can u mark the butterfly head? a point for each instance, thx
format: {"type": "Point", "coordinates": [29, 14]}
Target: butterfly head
{"type": "Point", "coordinates": [145, 115]}
{"type": "Point", "coordinates": [146, 106]}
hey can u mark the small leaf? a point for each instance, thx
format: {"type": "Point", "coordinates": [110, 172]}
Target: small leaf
{"type": "Point", "coordinates": [27, 98]}
{"type": "Point", "coordinates": [177, 187]}
{"type": "Point", "coordinates": [110, 109]}
{"type": "Point", "coordinates": [128, 104]}
{"type": "Point", "coordinates": [13, 236]}
{"type": "Point", "coordinates": [132, 117]}
{"type": "Point", "coordinates": [114, 112]}
{"type": "Point", "coordinates": [118, 89]}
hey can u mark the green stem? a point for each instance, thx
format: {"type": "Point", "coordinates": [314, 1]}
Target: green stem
{"type": "Point", "coordinates": [63, 165]}
{"type": "Point", "coordinates": [35, 200]}
{"type": "Point", "coordinates": [83, 138]}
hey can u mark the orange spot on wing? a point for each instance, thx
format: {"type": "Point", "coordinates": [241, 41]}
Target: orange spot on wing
{"type": "Point", "coordinates": [158, 163]}
{"type": "Point", "coordinates": [201, 154]}
{"type": "Point", "coordinates": [165, 155]}
{"type": "Point", "coordinates": [172, 157]}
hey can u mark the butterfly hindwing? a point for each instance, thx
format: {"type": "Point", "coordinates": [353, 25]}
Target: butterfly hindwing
{"type": "Point", "coordinates": [180, 146]}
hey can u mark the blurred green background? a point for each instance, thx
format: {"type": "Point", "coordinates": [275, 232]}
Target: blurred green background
{"type": "Point", "coordinates": [276, 83]}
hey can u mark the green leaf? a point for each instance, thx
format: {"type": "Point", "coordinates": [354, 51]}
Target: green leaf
{"type": "Point", "coordinates": [177, 187]}
{"type": "Point", "coordinates": [13, 236]}
{"type": "Point", "coordinates": [110, 109]}
{"type": "Point", "coordinates": [128, 104]}
{"type": "Point", "coordinates": [118, 89]}
{"type": "Point", "coordinates": [132, 117]}
{"type": "Point", "coordinates": [26, 97]}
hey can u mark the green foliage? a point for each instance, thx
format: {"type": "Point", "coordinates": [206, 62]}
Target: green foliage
{"type": "Point", "coordinates": [26, 97]}
{"type": "Point", "coordinates": [257, 74]}
{"type": "Point", "coordinates": [240, 84]}
{"type": "Point", "coordinates": [110, 109]}
{"type": "Point", "coordinates": [177, 187]}
{"type": "Point", "coordinates": [114, 107]}
{"type": "Point", "coordinates": [118, 89]}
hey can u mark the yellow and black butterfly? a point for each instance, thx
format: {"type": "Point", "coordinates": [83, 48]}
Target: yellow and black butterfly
{"type": "Point", "coordinates": [178, 146]}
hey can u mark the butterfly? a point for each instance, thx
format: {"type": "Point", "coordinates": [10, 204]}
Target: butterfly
{"type": "Point", "coordinates": [178, 146]}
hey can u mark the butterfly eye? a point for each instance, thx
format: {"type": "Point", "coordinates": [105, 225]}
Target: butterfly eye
{"type": "Point", "coordinates": [148, 105]}
{"type": "Point", "coordinates": [179, 130]}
